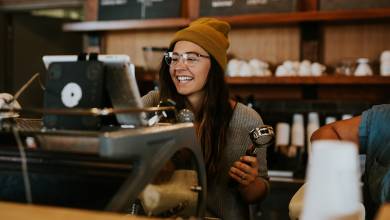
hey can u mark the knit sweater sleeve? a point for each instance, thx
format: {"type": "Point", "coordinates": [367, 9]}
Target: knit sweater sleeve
{"type": "Point", "coordinates": [245, 119]}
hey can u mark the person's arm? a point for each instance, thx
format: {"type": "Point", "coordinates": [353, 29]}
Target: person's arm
{"type": "Point", "coordinates": [340, 130]}
{"type": "Point", "coordinates": [252, 187]}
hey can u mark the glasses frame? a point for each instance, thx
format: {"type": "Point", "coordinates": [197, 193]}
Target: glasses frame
{"type": "Point", "coordinates": [181, 57]}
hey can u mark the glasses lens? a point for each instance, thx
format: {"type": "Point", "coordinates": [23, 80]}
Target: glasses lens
{"type": "Point", "coordinates": [172, 58]}
{"type": "Point", "coordinates": [191, 58]}
{"type": "Point", "coordinates": [168, 57]}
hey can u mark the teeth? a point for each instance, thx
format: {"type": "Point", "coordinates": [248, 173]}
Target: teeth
{"type": "Point", "coordinates": [184, 78]}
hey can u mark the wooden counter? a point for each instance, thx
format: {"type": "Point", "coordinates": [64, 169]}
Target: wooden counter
{"type": "Point", "coordinates": [16, 211]}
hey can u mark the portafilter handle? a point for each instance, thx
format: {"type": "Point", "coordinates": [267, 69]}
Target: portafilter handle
{"type": "Point", "coordinates": [261, 137]}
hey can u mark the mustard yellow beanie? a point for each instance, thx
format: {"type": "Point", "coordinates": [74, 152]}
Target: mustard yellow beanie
{"type": "Point", "coordinates": [209, 33]}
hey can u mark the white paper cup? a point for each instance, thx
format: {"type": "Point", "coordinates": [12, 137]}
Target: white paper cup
{"type": "Point", "coordinates": [298, 131]}
{"type": "Point", "coordinates": [282, 134]}
{"type": "Point", "coordinates": [333, 186]}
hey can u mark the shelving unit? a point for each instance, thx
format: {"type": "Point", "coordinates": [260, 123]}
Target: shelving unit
{"type": "Point", "coordinates": [308, 33]}
{"type": "Point", "coordinates": [235, 21]}
{"type": "Point", "coordinates": [126, 25]}
{"type": "Point", "coordinates": [293, 80]}
{"type": "Point", "coordinates": [322, 80]}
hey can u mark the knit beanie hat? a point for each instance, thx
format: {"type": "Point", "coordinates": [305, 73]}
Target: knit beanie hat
{"type": "Point", "coordinates": [209, 33]}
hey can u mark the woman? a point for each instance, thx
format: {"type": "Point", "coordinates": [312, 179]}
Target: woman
{"type": "Point", "coordinates": [192, 74]}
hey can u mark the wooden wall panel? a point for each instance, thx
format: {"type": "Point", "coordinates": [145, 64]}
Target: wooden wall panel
{"type": "Point", "coordinates": [44, 37]}
{"type": "Point", "coordinates": [308, 5]}
{"type": "Point", "coordinates": [272, 44]}
{"type": "Point", "coordinates": [265, 92]}
{"type": "Point", "coordinates": [351, 41]}
{"type": "Point", "coordinates": [131, 42]}
{"type": "Point", "coordinates": [91, 8]}
{"type": "Point", "coordinates": [368, 93]}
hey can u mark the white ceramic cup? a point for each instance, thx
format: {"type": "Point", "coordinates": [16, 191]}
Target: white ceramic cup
{"type": "Point", "coordinates": [363, 68]}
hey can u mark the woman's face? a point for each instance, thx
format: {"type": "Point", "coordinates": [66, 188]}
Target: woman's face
{"type": "Point", "coordinates": [189, 73]}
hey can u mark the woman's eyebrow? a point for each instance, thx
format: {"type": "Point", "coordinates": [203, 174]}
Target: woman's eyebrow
{"type": "Point", "coordinates": [187, 52]}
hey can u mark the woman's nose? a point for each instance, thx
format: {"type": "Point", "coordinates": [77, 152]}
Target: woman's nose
{"type": "Point", "coordinates": [180, 67]}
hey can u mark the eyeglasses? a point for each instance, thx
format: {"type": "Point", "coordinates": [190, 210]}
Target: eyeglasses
{"type": "Point", "coordinates": [190, 59]}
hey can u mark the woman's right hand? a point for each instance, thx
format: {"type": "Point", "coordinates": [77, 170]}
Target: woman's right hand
{"type": "Point", "coordinates": [245, 170]}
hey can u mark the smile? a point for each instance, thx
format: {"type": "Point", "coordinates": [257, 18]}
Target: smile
{"type": "Point", "coordinates": [184, 78]}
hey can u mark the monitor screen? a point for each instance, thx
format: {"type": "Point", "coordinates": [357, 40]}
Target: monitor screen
{"type": "Point", "coordinates": [119, 84]}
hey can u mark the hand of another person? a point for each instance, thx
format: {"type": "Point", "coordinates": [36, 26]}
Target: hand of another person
{"type": "Point", "coordinates": [6, 101]}
{"type": "Point", "coordinates": [245, 171]}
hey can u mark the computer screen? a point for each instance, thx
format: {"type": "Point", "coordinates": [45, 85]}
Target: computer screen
{"type": "Point", "coordinates": [119, 82]}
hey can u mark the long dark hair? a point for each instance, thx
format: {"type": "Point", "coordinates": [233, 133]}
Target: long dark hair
{"type": "Point", "coordinates": [213, 118]}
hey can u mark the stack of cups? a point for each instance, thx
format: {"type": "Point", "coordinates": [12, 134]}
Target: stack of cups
{"type": "Point", "coordinates": [282, 139]}
{"type": "Point", "coordinates": [333, 186]}
{"type": "Point", "coordinates": [297, 135]}
{"type": "Point", "coordinates": [313, 124]}
{"type": "Point", "coordinates": [385, 63]}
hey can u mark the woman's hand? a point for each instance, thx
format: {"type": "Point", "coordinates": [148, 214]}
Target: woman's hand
{"type": "Point", "coordinates": [245, 171]}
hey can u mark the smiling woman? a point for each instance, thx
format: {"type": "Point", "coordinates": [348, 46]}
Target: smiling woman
{"type": "Point", "coordinates": [192, 74]}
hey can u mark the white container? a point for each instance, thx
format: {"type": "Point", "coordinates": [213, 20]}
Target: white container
{"type": "Point", "coordinates": [282, 138]}
{"type": "Point", "coordinates": [298, 131]}
{"type": "Point", "coordinates": [346, 116]}
{"type": "Point", "coordinates": [330, 119]}
{"type": "Point", "coordinates": [363, 68]}
{"type": "Point", "coordinates": [385, 68]}
{"type": "Point", "coordinates": [313, 123]}
{"type": "Point", "coordinates": [385, 63]}
{"type": "Point", "coordinates": [333, 186]}
{"type": "Point", "coordinates": [317, 69]}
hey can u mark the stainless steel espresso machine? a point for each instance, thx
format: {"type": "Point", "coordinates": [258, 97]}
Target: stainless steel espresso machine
{"type": "Point", "coordinates": [158, 168]}
{"type": "Point", "coordinates": [75, 156]}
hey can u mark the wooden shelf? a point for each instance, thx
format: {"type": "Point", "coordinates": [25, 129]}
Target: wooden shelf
{"type": "Point", "coordinates": [87, 26]}
{"type": "Point", "coordinates": [292, 80]}
{"type": "Point", "coordinates": [238, 20]}
{"type": "Point", "coordinates": [296, 17]}
{"type": "Point", "coordinates": [322, 80]}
